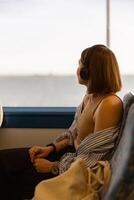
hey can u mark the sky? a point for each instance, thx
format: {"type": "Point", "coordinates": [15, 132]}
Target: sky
{"type": "Point", "coordinates": [47, 36]}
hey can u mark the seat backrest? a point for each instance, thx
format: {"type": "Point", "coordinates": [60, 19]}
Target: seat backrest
{"type": "Point", "coordinates": [128, 100]}
{"type": "Point", "coordinates": [122, 162]}
{"type": "Point", "coordinates": [1, 114]}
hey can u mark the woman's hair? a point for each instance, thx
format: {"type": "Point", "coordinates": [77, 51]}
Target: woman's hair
{"type": "Point", "coordinates": [104, 74]}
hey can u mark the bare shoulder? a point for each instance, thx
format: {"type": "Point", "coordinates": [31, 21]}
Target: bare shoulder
{"type": "Point", "coordinates": [112, 103]}
{"type": "Point", "coordinates": [109, 112]}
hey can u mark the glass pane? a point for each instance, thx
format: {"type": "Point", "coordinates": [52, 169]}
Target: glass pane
{"type": "Point", "coordinates": [44, 38]}
{"type": "Point", "coordinates": [122, 40]}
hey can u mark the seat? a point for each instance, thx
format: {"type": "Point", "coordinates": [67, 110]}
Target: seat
{"type": "Point", "coordinates": [122, 161]}
{"type": "Point", "coordinates": [1, 114]}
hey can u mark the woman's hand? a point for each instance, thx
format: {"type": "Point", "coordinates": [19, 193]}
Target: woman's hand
{"type": "Point", "coordinates": [42, 165]}
{"type": "Point", "coordinates": [39, 152]}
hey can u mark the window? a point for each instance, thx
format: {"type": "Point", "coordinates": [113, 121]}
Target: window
{"type": "Point", "coordinates": [41, 42]}
{"type": "Point", "coordinates": [122, 40]}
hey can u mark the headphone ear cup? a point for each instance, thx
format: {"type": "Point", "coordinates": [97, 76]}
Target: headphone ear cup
{"type": "Point", "coordinates": [84, 73]}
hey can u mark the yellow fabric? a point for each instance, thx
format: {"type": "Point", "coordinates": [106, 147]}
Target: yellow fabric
{"type": "Point", "coordinates": [77, 183]}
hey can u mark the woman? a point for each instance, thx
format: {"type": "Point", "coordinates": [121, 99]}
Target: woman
{"type": "Point", "coordinates": [91, 136]}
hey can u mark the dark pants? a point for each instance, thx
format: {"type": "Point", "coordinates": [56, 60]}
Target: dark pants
{"type": "Point", "coordinates": [18, 177]}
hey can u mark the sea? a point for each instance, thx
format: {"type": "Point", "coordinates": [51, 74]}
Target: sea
{"type": "Point", "coordinates": [48, 90]}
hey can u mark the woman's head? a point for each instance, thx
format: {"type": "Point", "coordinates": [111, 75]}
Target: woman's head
{"type": "Point", "coordinates": [99, 71]}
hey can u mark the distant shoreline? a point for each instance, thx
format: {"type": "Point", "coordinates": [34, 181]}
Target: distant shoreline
{"type": "Point", "coordinates": [50, 75]}
{"type": "Point", "coordinates": [48, 90]}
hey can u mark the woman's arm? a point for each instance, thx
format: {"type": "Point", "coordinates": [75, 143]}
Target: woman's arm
{"type": "Point", "coordinates": [108, 114]}
{"type": "Point", "coordinates": [60, 145]}
{"type": "Point", "coordinates": [42, 152]}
